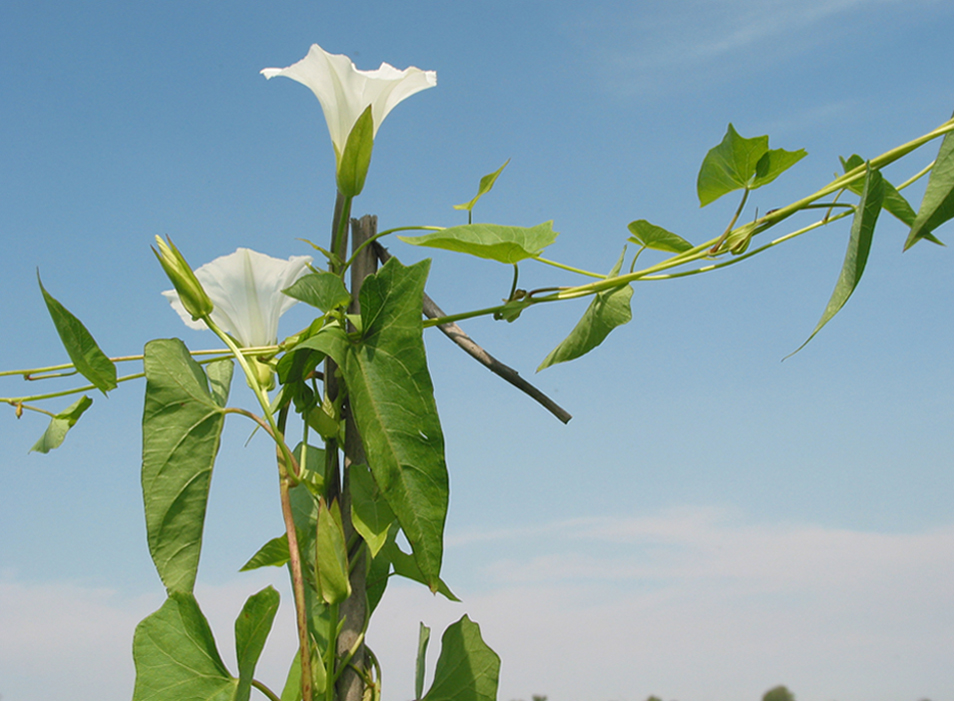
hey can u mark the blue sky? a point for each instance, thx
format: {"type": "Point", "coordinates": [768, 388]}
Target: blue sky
{"type": "Point", "coordinates": [711, 523]}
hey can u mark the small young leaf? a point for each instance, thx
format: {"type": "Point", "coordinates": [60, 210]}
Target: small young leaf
{"type": "Point", "coordinates": [937, 206]}
{"type": "Point", "coordinates": [251, 630]}
{"type": "Point", "coordinates": [273, 554]}
{"type": "Point", "coordinates": [423, 636]}
{"type": "Point", "coordinates": [506, 244]}
{"type": "Point", "coordinates": [55, 433]}
{"type": "Point", "coordinates": [332, 555]}
{"type": "Point", "coordinates": [608, 310]}
{"type": "Point", "coordinates": [181, 426]}
{"type": "Point", "coordinates": [657, 238]}
{"type": "Point", "coordinates": [467, 669]}
{"type": "Point", "coordinates": [323, 290]}
{"type": "Point", "coordinates": [354, 162]}
{"type": "Point", "coordinates": [773, 163]}
{"type": "Point", "coordinates": [87, 358]}
{"type": "Point", "coordinates": [859, 244]}
{"type": "Point", "coordinates": [370, 513]}
{"type": "Point", "coordinates": [486, 185]}
{"type": "Point", "coordinates": [739, 163]}
{"type": "Point", "coordinates": [176, 657]}
{"type": "Point", "coordinates": [729, 166]}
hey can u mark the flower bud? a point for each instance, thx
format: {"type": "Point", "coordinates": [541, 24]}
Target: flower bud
{"type": "Point", "coordinates": [188, 287]}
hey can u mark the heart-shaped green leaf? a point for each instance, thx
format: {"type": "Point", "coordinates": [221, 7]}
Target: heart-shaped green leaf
{"type": "Point", "coordinates": [506, 244]}
{"type": "Point", "coordinates": [655, 237]}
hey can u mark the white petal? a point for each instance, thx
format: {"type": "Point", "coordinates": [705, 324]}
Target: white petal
{"type": "Point", "coordinates": [246, 289]}
{"type": "Point", "coordinates": [345, 92]}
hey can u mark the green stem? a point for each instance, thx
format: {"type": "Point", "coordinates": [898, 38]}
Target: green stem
{"type": "Point", "coordinates": [386, 233]}
{"type": "Point", "coordinates": [917, 176]}
{"type": "Point", "coordinates": [735, 218]}
{"type": "Point", "coordinates": [272, 696]}
{"type": "Point", "coordinates": [331, 652]}
{"type": "Point", "coordinates": [569, 268]}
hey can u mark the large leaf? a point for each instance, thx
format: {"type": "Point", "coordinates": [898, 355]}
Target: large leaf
{"type": "Point", "coordinates": [859, 244]}
{"type": "Point", "coordinates": [608, 310]}
{"type": "Point", "coordinates": [937, 206]}
{"type": "Point", "coordinates": [176, 658]}
{"type": "Point", "coordinates": [655, 237]}
{"type": "Point", "coordinates": [181, 427]}
{"type": "Point", "coordinates": [251, 630]}
{"type": "Point", "coordinates": [738, 163]}
{"type": "Point", "coordinates": [87, 358]}
{"type": "Point", "coordinates": [485, 186]}
{"type": "Point", "coordinates": [506, 244]}
{"type": "Point", "coordinates": [370, 513]}
{"type": "Point", "coordinates": [323, 290]}
{"type": "Point", "coordinates": [60, 424]}
{"type": "Point", "coordinates": [467, 669]}
{"type": "Point", "coordinates": [392, 398]}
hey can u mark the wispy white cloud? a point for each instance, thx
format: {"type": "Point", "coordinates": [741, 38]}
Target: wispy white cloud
{"type": "Point", "coordinates": [690, 42]}
{"type": "Point", "coordinates": [695, 603]}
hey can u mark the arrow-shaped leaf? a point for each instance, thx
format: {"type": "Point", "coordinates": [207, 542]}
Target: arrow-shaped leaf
{"type": "Point", "coordinates": [392, 398]}
{"type": "Point", "coordinates": [176, 658]}
{"type": "Point", "coordinates": [655, 237]}
{"type": "Point", "coordinates": [181, 427]}
{"type": "Point", "coordinates": [467, 669]}
{"type": "Point", "coordinates": [859, 244]}
{"type": "Point", "coordinates": [506, 244]}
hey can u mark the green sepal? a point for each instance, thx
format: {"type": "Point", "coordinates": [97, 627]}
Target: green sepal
{"type": "Point", "coordinates": [86, 356]}
{"type": "Point", "coordinates": [60, 424]}
{"type": "Point", "coordinates": [354, 162]}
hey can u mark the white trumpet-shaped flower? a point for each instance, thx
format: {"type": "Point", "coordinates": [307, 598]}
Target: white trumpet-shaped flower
{"type": "Point", "coordinates": [345, 92]}
{"type": "Point", "coordinates": [246, 290]}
